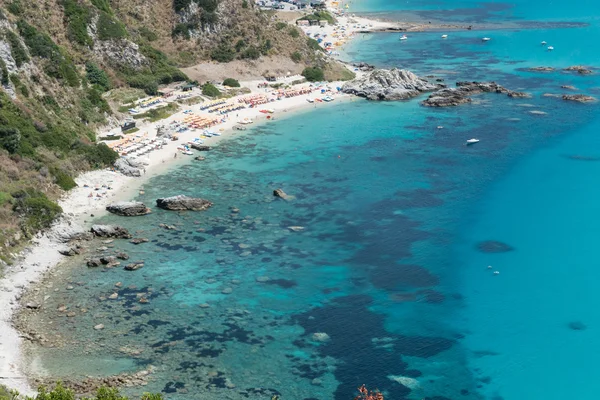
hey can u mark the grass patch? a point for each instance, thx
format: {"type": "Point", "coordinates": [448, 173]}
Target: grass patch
{"type": "Point", "coordinates": [156, 114]}
{"type": "Point", "coordinates": [147, 34]}
{"type": "Point", "coordinates": [109, 29]}
{"type": "Point", "coordinates": [208, 89]}
{"type": "Point", "coordinates": [78, 17]}
{"type": "Point", "coordinates": [16, 49]}
{"type": "Point", "coordinates": [319, 16]}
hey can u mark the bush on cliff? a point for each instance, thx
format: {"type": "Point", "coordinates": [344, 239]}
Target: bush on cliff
{"type": "Point", "coordinates": [59, 392]}
{"type": "Point", "coordinates": [313, 74]}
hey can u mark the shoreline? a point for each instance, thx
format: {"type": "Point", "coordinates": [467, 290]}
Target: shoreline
{"type": "Point", "coordinates": [42, 256]}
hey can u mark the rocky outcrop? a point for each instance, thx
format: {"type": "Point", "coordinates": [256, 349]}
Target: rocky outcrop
{"type": "Point", "coordinates": [451, 97]}
{"type": "Point", "coordinates": [568, 87]}
{"type": "Point", "coordinates": [128, 208]}
{"type": "Point", "coordinates": [134, 266]}
{"type": "Point", "coordinates": [394, 84]}
{"type": "Point", "coordinates": [581, 98]}
{"type": "Point", "coordinates": [110, 231]}
{"type": "Point", "coordinates": [493, 246]}
{"type": "Point", "coordinates": [518, 95]}
{"type": "Point", "coordinates": [580, 69]}
{"type": "Point", "coordinates": [363, 66]}
{"type": "Point", "coordinates": [182, 203]}
{"type": "Point", "coordinates": [120, 53]}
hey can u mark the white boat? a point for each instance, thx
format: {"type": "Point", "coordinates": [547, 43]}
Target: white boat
{"type": "Point", "coordinates": [472, 141]}
{"type": "Point", "coordinates": [216, 133]}
{"type": "Point", "coordinates": [188, 153]}
{"type": "Point", "coordinates": [327, 99]}
{"type": "Point", "coordinates": [550, 48]}
{"type": "Point", "coordinates": [444, 36]}
{"type": "Point", "coordinates": [310, 100]}
{"type": "Point", "coordinates": [486, 39]}
{"type": "Point", "coordinates": [403, 37]}
{"type": "Point", "coordinates": [544, 43]}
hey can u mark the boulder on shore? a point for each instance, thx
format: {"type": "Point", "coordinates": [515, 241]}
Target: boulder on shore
{"type": "Point", "coordinates": [128, 208]}
{"type": "Point", "coordinates": [128, 167]}
{"type": "Point", "coordinates": [181, 203]}
{"type": "Point", "coordinates": [384, 84]}
{"type": "Point", "coordinates": [110, 231]}
{"type": "Point", "coordinates": [199, 147]}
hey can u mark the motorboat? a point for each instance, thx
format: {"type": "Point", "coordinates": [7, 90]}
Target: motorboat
{"type": "Point", "coordinates": [486, 39]}
{"type": "Point", "coordinates": [403, 37]}
{"type": "Point", "coordinates": [544, 43]}
{"type": "Point", "coordinates": [550, 48]}
{"type": "Point", "coordinates": [328, 99]}
{"type": "Point", "coordinates": [472, 141]}
{"type": "Point", "coordinates": [188, 153]}
{"type": "Point", "coordinates": [310, 100]}
{"type": "Point", "coordinates": [444, 36]}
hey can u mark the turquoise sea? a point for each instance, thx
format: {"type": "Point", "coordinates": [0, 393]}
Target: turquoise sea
{"type": "Point", "coordinates": [400, 223]}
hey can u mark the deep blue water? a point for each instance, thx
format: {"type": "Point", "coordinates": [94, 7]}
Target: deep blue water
{"type": "Point", "coordinates": [388, 264]}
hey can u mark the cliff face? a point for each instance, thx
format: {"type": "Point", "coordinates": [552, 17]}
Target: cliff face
{"type": "Point", "coordinates": [60, 60]}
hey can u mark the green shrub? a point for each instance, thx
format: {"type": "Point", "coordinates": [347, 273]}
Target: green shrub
{"type": "Point", "coordinates": [209, 18]}
{"type": "Point", "coordinates": [240, 45]}
{"type": "Point", "coordinates": [10, 139]}
{"type": "Point", "coordinates": [102, 5]}
{"type": "Point", "coordinates": [99, 155]}
{"type": "Point", "coordinates": [108, 28]}
{"type": "Point", "coordinates": [210, 90]}
{"type": "Point", "coordinates": [180, 5]}
{"type": "Point", "coordinates": [280, 25]}
{"type": "Point", "coordinates": [320, 16]}
{"type": "Point", "coordinates": [183, 30]}
{"type": "Point", "coordinates": [266, 46]}
{"type": "Point", "coordinates": [147, 34]}
{"type": "Point", "coordinates": [62, 179]}
{"type": "Point", "coordinates": [293, 32]}
{"type": "Point", "coordinates": [96, 76]}
{"type": "Point", "coordinates": [16, 49]}
{"type": "Point", "coordinates": [251, 52]}
{"type": "Point", "coordinates": [5, 198]}
{"type": "Point", "coordinates": [231, 82]}
{"type": "Point", "coordinates": [313, 74]}
{"type": "Point", "coordinates": [313, 44]}
{"type": "Point", "coordinates": [78, 17]}
{"type": "Point", "coordinates": [15, 7]}
{"type": "Point", "coordinates": [4, 80]}
{"type": "Point", "coordinates": [296, 57]}
{"type": "Point", "coordinates": [223, 53]}
{"type": "Point", "coordinates": [36, 210]}
{"type": "Point", "coordinates": [244, 3]}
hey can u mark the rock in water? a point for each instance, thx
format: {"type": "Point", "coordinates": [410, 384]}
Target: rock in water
{"type": "Point", "coordinates": [577, 326]}
{"type": "Point", "coordinates": [110, 231]}
{"type": "Point", "coordinates": [181, 203]}
{"type": "Point", "coordinates": [540, 69]}
{"type": "Point", "coordinates": [383, 84]}
{"type": "Point", "coordinates": [320, 337]}
{"type": "Point", "coordinates": [581, 98]}
{"type": "Point", "coordinates": [493, 246]}
{"type": "Point", "coordinates": [128, 208]}
{"type": "Point", "coordinates": [199, 147]}
{"type": "Point", "coordinates": [133, 266]}
{"type": "Point", "coordinates": [450, 97]}
{"type": "Point", "coordinates": [281, 194]}
{"type": "Point", "coordinates": [580, 69]}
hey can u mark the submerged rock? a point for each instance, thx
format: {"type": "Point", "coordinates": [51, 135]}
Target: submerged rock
{"type": "Point", "coordinates": [394, 84]}
{"type": "Point", "coordinates": [320, 337]}
{"type": "Point", "coordinates": [540, 69]}
{"type": "Point", "coordinates": [493, 246]}
{"type": "Point", "coordinates": [577, 326]}
{"type": "Point", "coordinates": [70, 252]}
{"type": "Point", "coordinates": [128, 208]}
{"type": "Point", "coordinates": [568, 87]}
{"type": "Point", "coordinates": [94, 262]}
{"type": "Point", "coordinates": [110, 231]}
{"type": "Point", "coordinates": [139, 240]}
{"type": "Point", "coordinates": [581, 98]}
{"type": "Point", "coordinates": [199, 147]}
{"type": "Point", "coordinates": [134, 266]}
{"type": "Point", "coordinates": [181, 203]}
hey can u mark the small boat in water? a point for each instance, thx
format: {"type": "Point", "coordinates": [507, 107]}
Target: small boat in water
{"type": "Point", "coordinates": [471, 141]}
{"type": "Point", "coordinates": [550, 48]}
{"type": "Point", "coordinates": [444, 36]}
{"type": "Point", "coordinates": [403, 37]}
{"type": "Point", "coordinates": [188, 153]}
{"type": "Point", "coordinates": [486, 39]}
{"type": "Point", "coordinates": [328, 99]}
{"type": "Point", "coordinates": [544, 43]}
{"type": "Point", "coordinates": [310, 100]}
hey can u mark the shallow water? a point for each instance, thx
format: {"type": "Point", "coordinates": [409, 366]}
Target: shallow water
{"type": "Point", "coordinates": [392, 209]}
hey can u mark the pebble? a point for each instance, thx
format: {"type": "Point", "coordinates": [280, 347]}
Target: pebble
{"type": "Point", "coordinates": [113, 296]}
{"type": "Point", "coordinates": [204, 305]}
{"type": "Point", "coordinates": [118, 284]}
{"type": "Point", "coordinates": [227, 290]}
{"type": "Point", "coordinates": [71, 314]}
{"type": "Point", "coordinates": [70, 287]}
{"type": "Point", "coordinates": [263, 279]}
{"type": "Point", "coordinates": [99, 327]}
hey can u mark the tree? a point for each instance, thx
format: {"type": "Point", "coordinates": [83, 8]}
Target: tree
{"type": "Point", "coordinates": [313, 74]}
{"type": "Point", "coordinates": [231, 82]}
{"type": "Point", "coordinates": [296, 57]}
{"type": "Point", "coordinates": [97, 76]}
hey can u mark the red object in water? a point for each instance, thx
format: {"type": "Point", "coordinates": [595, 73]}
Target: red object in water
{"type": "Point", "coordinates": [365, 394]}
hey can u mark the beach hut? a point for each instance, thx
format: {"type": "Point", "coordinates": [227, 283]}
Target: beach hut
{"type": "Point", "coordinates": [270, 77]}
{"type": "Point", "coordinates": [302, 22]}
{"type": "Point", "coordinates": [322, 23]}
{"type": "Point", "coordinates": [188, 87]}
